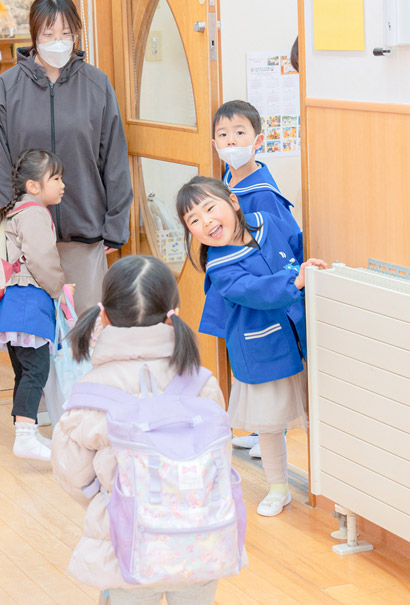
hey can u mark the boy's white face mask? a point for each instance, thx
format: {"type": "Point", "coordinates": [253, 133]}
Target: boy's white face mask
{"type": "Point", "coordinates": [236, 157]}
{"type": "Point", "coordinates": [56, 53]}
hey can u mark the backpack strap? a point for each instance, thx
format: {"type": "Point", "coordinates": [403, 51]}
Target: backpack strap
{"type": "Point", "coordinates": [97, 396]}
{"type": "Point", "coordinates": [27, 205]}
{"type": "Point", "coordinates": [188, 384]}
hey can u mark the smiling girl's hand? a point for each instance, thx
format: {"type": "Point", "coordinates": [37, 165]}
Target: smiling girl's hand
{"type": "Point", "coordinates": [300, 280]}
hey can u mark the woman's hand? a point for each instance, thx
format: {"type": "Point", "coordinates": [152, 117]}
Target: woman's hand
{"type": "Point", "coordinates": [317, 262]}
{"type": "Point", "coordinates": [71, 290]}
{"type": "Point", "coordinates": [108, 250]}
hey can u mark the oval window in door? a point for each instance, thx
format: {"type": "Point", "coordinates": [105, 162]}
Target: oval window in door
{"type": "Point", "coordinates": [159, 184]}
{"type": "Point", "coordinates": [162, 87]}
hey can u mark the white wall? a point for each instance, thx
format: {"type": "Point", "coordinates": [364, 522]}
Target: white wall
{"type": "Point", "coordinates": [358, 75]}
{"type": "Point", "coordinates": [260, 25]}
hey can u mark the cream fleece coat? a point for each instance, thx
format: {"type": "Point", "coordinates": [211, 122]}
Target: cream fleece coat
{"type": "Point", "coordinates": [81, 449]}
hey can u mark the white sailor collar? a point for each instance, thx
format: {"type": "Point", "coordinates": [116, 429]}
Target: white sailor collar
{"type": "Point", "coordinates": [253, 184]}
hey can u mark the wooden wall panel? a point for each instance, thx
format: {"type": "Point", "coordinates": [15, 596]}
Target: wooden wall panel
{"type": "Point", "coordinates": [358, 182]}
{"type": "Point", "coordinates": [104, 38]}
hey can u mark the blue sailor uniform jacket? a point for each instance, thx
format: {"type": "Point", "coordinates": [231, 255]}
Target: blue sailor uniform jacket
{"type": "Point", "coordinates": [258, 192]}
{"type": "Point", "coordinates": [265, 315]}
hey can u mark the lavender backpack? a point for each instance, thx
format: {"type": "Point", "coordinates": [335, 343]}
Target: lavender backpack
{"type": "Point", "coordinates": [176, 510]}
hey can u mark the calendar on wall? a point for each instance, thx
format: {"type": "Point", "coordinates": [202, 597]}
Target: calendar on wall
{"type": "Point", "coordinates": [273, 88]}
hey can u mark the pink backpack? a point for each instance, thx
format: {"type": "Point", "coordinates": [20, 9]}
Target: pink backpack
{"type": "Point", "coordinates": [6, 268]}
{"type": "Point", "coordinates": [176, 510]}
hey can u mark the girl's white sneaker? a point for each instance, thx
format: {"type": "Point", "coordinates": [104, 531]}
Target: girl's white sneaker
{"type": "Point", "coordinates": [273, 504]}
{"type": "Point", "coordinates": [26, 443]}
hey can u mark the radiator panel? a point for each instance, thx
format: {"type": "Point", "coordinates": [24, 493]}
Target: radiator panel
{"type": "Point", "coordinates": [366, 455]}
{"type": "Point", "coordinates": [358, 326]}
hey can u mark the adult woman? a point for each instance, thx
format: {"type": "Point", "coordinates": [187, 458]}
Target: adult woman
{"type": "Point", "coordinates": [54, 100]}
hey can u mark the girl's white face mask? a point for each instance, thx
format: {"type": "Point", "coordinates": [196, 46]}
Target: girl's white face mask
{"type": "Point", "coordinates": [236, 156]}
{"type": "Point", "coordinates": [56, 53]}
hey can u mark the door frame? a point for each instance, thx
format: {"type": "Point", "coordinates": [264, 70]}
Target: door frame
{"type": "Point", "coordinates": [146, 139]}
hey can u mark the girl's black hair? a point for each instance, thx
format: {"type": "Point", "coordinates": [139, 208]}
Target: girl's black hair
{"type": "Point", "coordinates": [31, 165]}
{"type": "Point", "coordinates": [139, 291]}
{"type": "Point", "coordinates": [45, 12]}
{"type": "Point", "coordinates": [193, 193]}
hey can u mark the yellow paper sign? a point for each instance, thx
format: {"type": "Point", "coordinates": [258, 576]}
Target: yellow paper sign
{"type": "Point", "coordinates": [338, 24]}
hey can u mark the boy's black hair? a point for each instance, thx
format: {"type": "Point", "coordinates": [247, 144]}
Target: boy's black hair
{"type": "Point", "coordinates": [139, 291]}
{"type": "Point", "coordinates": [238, 108]}
{"type": "Point", "coordinates": [31, 165]}
{"type": "Point", "coordinates": [193, 193]}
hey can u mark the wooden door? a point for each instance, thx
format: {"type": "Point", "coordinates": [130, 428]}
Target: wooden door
{"type": "Point", "coordinates": [167, 79]}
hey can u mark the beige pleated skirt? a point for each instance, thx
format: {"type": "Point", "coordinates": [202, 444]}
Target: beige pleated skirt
{"type": "Point", "coordinates": [269, 406]}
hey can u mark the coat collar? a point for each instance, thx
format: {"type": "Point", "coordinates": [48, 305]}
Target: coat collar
{"type": "Point", "coordinates": [120, 344]}
{"type": "Point", "coordinates": [35, 71]}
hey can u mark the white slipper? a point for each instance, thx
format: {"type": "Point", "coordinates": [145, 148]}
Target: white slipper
{"type": "Point", "coordinates": [273, 504]}
{"type": "Point", "coordinates": [245, 441]}
{"type": "Point", "coordinates": [255, 452]}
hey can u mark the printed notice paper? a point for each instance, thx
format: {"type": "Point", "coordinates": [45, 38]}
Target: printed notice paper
{"type": "Point", "coordinates": [273, 88]}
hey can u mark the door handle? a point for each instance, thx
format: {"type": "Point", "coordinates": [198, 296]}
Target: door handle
{"type": "Point", "coordinates": [199, 26]}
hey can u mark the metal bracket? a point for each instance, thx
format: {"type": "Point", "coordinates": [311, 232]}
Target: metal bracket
{"type": "Point", "coordinates": [388, 269]}
{"type": "Point", "coordinates": [352, 545]}
{"type": "Point", "coordinates": [212, 36]}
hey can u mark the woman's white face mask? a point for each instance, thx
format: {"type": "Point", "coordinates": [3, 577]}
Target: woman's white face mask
{"type": "Point", "coordinates": [56, 53]}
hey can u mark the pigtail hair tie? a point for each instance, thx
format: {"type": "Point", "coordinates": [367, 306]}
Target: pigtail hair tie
{"type": "Point", "coordinates": [170, 312]}
{"type": "Point", "coordinates": [101, 306]}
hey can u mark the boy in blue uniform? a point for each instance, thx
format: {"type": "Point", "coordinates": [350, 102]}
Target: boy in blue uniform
{"type": "Point", "coordinates": [237, 136]}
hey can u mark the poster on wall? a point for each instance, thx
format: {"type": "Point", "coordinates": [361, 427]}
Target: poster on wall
{"type": "Point", "coordinates": [273, 88]}
{"type": "Point", "coordinates": [14, 18]}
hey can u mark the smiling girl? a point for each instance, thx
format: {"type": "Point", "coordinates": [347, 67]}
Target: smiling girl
{"type": "Point", "coordinates": [255, 262]}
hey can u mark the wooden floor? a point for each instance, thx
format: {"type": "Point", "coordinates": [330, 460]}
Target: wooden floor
{"type": "Point", "coordinates": [290, 556]}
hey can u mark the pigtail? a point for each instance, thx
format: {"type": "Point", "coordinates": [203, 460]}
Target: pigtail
{"type": "Point", "coordinates": [16, 187]}
{"type": "Point", "coordinates": [185, 357]}
{"type": "Point", "coordinates": [80, 335]}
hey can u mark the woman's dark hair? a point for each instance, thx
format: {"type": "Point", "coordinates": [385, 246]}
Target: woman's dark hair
{"type": "Point", "coordinates": [43, 13]}
{"type": "Point", "coordinates": [139, 291]}
{"type": "Point", "coordinates": [31, 165]}
{"type": "Point", "coordinates": [294, 54]}
{"type": "Point", "coordinates": [193, 193]}
{"type": "Point", "coordinates": [238, 108]}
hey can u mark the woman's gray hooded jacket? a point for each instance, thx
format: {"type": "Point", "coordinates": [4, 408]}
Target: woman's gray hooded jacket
{"type": "Point", "coordinates": [77, 118]}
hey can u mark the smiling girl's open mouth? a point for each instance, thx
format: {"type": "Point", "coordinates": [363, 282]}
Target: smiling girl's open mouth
{"type": "Point", "coordinates": [216, 232]}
